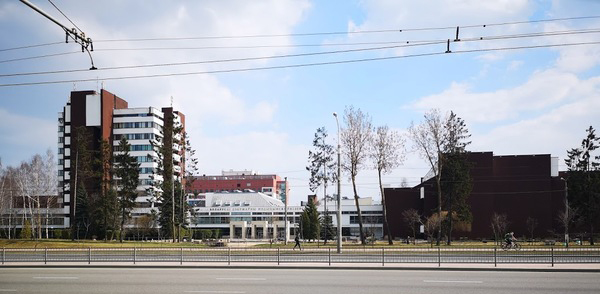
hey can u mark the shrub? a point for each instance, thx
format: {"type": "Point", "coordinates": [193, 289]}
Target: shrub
{"type": "Point", "coordinates": [26, 231]}
{"type": "Point", "coordinates": [205, 234]}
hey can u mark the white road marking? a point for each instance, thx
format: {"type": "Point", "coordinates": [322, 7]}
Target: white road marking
{"type": "Point", "coordinates": [232, 292]}
{"type": "Point", "coordinates": [243, 279]}
{"type": "Point", "coordinates": [56, 278]}
{"type": "Point", "coordinates": [464, 282]}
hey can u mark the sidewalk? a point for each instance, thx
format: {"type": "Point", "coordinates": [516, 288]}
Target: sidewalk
{"type": "Point", "coordinates": [571, 267]}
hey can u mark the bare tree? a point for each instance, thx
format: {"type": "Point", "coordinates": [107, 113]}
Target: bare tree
{"type": "Point", "coordinates": [387, 153]}
{"type": "Point", "coordinates": [428, 138]}
{"type": "Point", "coordinates": [432, 225]}
{"type": "Point", "coordinates": [499, 225]}
{"type": "Point", "coordinates": [531, 224]}
{"type": "Point", "coordinates": [355, 137]}
{"type": "Point", "coordinates": [565, 218]}
{"type": "Point", "coordinates": [412, 218]}
{"type": "Point", "coordinates": [48, 188]}
{"type": "Point", "coordinates": [5, 196]}
{"type": "Point", "coordinates": [404, 183]}
{"type": "Point", "coordinates": [437, 139]}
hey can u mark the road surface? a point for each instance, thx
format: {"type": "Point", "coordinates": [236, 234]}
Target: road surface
{"type": "Point", "coordinates": [289, 281]}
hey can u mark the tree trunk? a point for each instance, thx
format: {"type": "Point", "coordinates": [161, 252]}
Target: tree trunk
{"type": "Point", "coordinates": [325, 211]}
{"type": "Point", "coordinates": [360, 221]}
{"type": "Point", "coordinates": [122, 232]}
{"type": "Point", "coordinates": [385, 220]}
{"type": "Point", "coordinates": [439, 190]}
{"type": "Point", "coordinates": [449, 242]}
{"type": "Point", "coordinates": [592, 235]}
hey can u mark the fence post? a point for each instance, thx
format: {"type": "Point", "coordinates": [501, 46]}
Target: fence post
{"type": "Point", "coordinates": [495, 256]}
{"type": "Point", "coordinates": [228, 255]}
{"type": "Point", "coordinates": [181, 260]}
{"type": "Point", "coordinates": [46, 255]}
{"type": "Point", "coordinates": [382, 256]}
{"type": "Point", "coordinates": [552, 254]}
{"type": "Point", "coordinates": [439, 257]}
{"type": "Point", "coordinates": [3, 254]}
{"type": "Point", "coordinates": [89, 255]}
{"type": "Point", "coordinates": [329, 257]}
{"type": "Point", "coordinates": [278, 255]}
{"type": "Point", "coordinates": [134, 254]}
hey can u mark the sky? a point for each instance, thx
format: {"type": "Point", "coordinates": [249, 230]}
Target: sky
{"type": "Point", "coordinates": [268, 73]}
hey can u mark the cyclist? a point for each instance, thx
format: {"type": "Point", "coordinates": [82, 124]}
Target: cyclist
{"type": "Point", "coordinates": [509, 238]}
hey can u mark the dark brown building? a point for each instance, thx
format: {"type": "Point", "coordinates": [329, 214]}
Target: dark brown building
{"type": "Point", "coordinates": [519, 186]}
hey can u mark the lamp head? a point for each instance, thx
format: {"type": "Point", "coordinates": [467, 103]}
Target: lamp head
{"type": "Point", "coordinates": [335, 114]}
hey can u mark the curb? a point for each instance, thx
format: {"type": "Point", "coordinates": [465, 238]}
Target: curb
{"type": "Point", "coordinates": [294, 267]}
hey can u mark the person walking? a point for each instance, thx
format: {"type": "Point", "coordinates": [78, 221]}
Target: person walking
{"type": "Point", "coordinates": [297, 240]}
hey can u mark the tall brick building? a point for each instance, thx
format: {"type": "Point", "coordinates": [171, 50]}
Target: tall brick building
{"type": "Point", "coordinates": [108, 117]}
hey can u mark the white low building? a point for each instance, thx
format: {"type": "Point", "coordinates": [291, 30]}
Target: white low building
{"type": "Point", "coordinates": [254, 215]}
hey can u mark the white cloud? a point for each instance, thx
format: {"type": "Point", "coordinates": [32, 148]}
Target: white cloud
{"type": "Point", "coordinates": [553, 132]}
{"type": "Point", "coordinates": [266, 152]}
{"type": "Point", "coordinates": [544, 89]}
{"type": "Point", "coordinates": [407, 14]}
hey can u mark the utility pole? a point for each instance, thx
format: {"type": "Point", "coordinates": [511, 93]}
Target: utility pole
{"type": "Point", "coordinates": [285, 213]}
{"type": "Point", "coordinates": [325, 197]}
{"type": "Point", "coordinates": [566, 213]}
{"type": "Point", "coordinates": [339, 193]}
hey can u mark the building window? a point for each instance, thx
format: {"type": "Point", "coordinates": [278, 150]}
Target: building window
{"type": "Point", "coordinates": [61, 150]}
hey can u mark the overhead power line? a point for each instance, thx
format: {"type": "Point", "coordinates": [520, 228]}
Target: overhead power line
{"type": "Point", "coordinates": [315, 33]}
{"type": "Point", "coordinates": [350, 32]}
{"type": "Point", "coordinates": [402, 45]}
{"type": "Point", "coordinates": [229, 60]}
{"type": "Point", "coordinates": [65, 15]}
{"type": "Point", "coordinates": [30, 46]}
{"type": "Point", "coordinates": [298, 65]}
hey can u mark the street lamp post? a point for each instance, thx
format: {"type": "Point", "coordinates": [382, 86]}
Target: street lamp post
{"type": "Point", "coordinates": [339, 194]}
{"type": "Point", "coordinates": [566, 213]}
{"type": "Point", "coordinates": [285, 218]}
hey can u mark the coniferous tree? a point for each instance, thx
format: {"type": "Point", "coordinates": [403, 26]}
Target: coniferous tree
{"type": "Point", "coordinates": [322, 171]}
{"type": "Point", "coordinates": [107, 201]}
{"type": "Point", "coordinates": [327, 229]}
{"type": "Point", "coordinates": [583, 181]}
{"type": "Point", "coordinates": [190, 171]}
{"type": "Point", "coordinates": [127, 171]}
{"type": "Point", "coordinates": [163, 178]}
{"type": "Point", "coordinates": [455, 175]}
{"type": "Point", "coordinates": [80, 175]}
{"type": "Point", "coordinates": [310, 222]}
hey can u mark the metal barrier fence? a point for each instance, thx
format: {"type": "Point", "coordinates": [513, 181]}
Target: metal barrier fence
{"type": "Point", "coordinates": [383, 256]}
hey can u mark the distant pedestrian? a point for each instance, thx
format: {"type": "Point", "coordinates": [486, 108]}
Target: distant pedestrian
{"type": "Point", "coordinates": [297, 240]}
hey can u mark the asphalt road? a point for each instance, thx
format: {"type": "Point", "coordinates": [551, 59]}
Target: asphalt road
{"type": "Point", "coordinates": [289, 281]}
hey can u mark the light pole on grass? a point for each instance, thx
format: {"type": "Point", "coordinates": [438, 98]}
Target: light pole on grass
{"type": "Point", "coordinates": [339, 194]}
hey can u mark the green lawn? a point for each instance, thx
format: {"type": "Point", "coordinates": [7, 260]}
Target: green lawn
{"type": "Point", "coordinates": [53, 243]}
{"type": "Point", "coordinates": [87, 243]}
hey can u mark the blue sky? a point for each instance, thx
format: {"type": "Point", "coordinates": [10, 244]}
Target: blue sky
{"type": "Point", "coordinates": [535, 101]}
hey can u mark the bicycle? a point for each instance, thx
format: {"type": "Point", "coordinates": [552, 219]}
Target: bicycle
{"type": "Point", "coordinates": [513, 245]}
